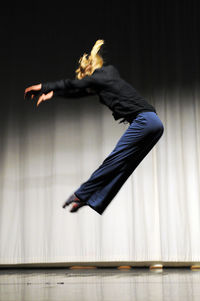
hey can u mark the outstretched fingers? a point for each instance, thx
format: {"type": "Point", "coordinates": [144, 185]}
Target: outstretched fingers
{"type": "Point", "coordinates": [40, 99]}
{"type": "Point", "coordinates": [44, 97]}
{"type": "Point", "coordinates": [35, 92]}
{"type": "Point", "coordinates": [30, 91]}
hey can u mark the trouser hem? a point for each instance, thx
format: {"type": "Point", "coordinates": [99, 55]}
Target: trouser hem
{"type": "Point", "coordinates": [100, 212]}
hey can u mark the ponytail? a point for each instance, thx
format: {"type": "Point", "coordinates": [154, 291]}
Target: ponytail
{"type": "Point", "coordinates": [94, 59]}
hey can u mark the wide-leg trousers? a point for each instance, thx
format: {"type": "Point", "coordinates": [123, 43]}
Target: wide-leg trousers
{"type": "Point", "coordinates": [105, 182]}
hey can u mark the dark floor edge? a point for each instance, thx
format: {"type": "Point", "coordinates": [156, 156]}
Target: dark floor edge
{"type": "Point", "coordinates": [105, 264]}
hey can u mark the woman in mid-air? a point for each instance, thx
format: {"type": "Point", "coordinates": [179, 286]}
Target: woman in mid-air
{"type": "Point", "coordinates": [144, 130]}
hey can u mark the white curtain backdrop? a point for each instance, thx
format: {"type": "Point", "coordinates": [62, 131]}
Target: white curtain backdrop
{"type": "Point", "coordinates": [154, 217]}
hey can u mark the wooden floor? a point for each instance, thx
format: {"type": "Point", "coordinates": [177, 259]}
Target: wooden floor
{"type": "Point", "coordinates": [100, 284]}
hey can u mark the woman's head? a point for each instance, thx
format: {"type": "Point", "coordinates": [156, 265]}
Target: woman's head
{"type": "Point", "coordinates": [88, 63]}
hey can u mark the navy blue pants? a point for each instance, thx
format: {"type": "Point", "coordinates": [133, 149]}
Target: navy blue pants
{"type": "Point", "coordinates": [139, 138]}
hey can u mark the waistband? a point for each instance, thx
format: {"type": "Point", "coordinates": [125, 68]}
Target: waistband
{"type": "Point", "coordinates": [131, 118]}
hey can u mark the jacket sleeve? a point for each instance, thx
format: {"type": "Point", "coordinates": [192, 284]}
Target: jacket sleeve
{"type": "Point", "coordinates": [70, 88]}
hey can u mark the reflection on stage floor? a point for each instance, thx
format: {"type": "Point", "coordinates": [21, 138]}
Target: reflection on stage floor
{"type": "Point", "coordinates": [100, 284]}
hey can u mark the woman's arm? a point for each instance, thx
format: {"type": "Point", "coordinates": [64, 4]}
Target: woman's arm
{"type": "Point", "coordinates": [70, 88]}
{"type": "Point", "coordinates": [63, 87]}
{"type": "Point", "coordinates": [67, 86]}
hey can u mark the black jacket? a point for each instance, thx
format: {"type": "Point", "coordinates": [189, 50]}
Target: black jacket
{"type": "Point", "coordinates": [121, 98]}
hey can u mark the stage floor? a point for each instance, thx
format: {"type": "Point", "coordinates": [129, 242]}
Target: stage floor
{"type": "Point", "coordinates": [99, 284]}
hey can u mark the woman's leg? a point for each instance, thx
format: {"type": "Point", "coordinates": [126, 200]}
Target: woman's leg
{"type": "Point", "coordinates": [102, 197]}
{"type": "Point", "coordinates": [132, 147]}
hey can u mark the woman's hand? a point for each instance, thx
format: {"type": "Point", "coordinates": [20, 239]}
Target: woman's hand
{"type": "Point", "coordinates": [44, 97]}
{"type": "Point", "coordinates": [33, 91]}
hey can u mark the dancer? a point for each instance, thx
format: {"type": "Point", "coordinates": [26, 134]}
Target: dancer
{"type": "Point", "coordinates": [144, 130]}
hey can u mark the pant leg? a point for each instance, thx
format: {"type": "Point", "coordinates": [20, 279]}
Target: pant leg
{"type": "Point", "coordinates": [102, 197]}
{"type": "Point", "coordinates": [106, 181]}
{"type": "Point", "coordinates": [116, 161]}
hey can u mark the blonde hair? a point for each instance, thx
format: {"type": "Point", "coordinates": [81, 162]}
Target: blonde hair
{"type": "Point", "coordinates": [94, 59]}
